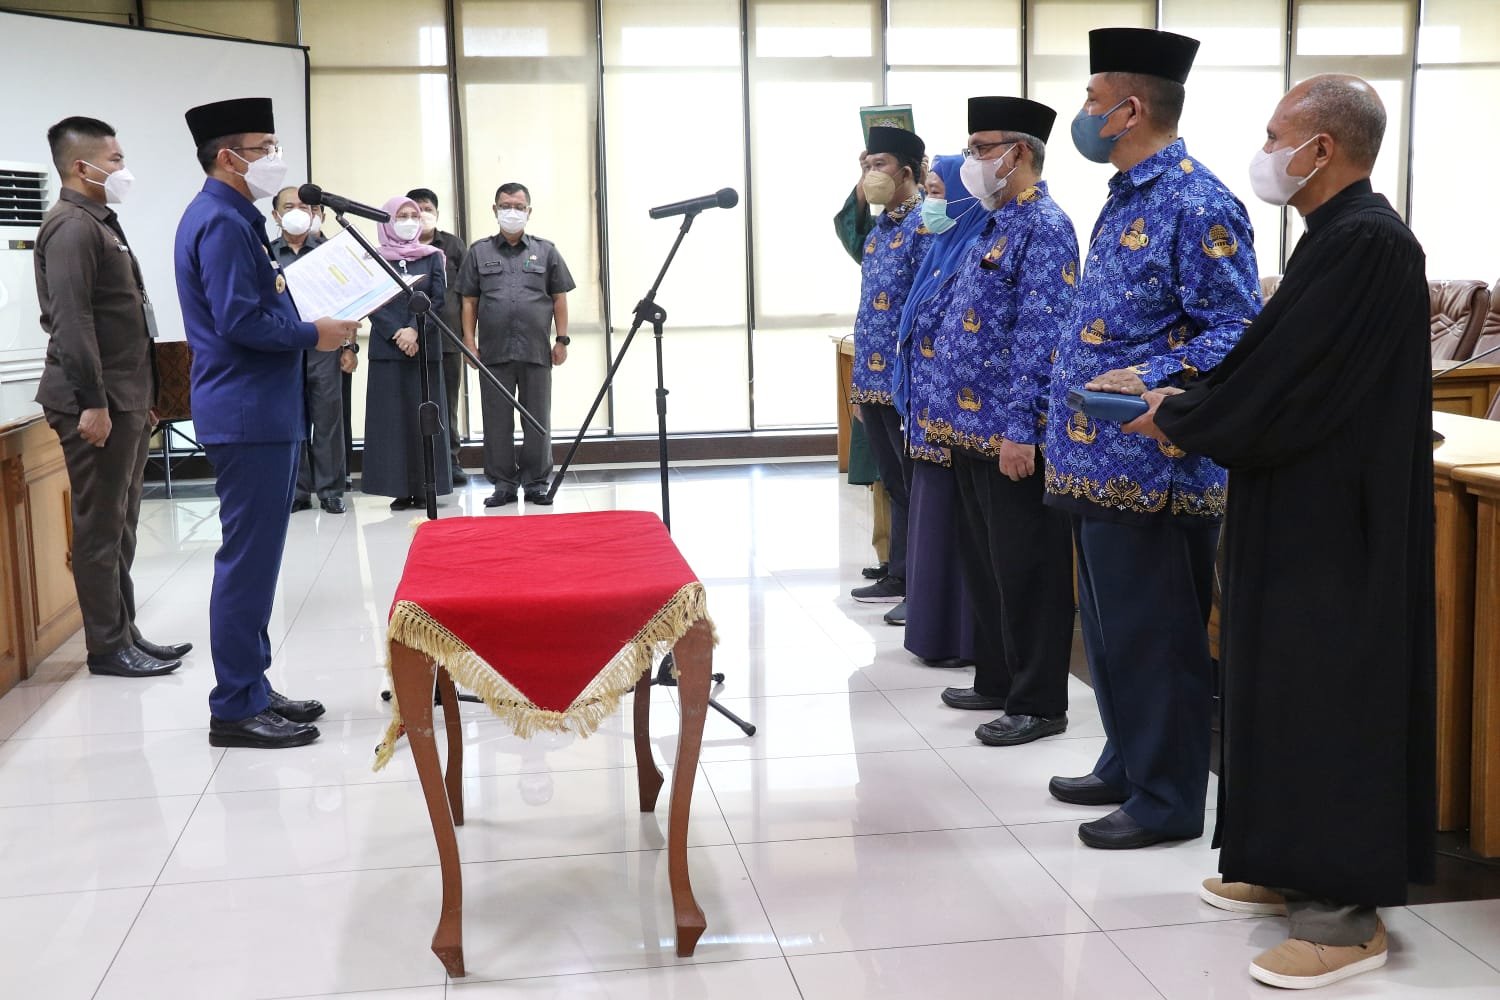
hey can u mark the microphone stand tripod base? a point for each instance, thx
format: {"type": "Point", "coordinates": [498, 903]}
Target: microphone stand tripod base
{"type": "Point", "coordinates": [664, 678]}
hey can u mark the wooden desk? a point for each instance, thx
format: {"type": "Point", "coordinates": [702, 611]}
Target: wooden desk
{"type": "Point", "coordinates": [843, 373]}
{"type": "Point", "coordinates": [38, 602]}
{"type": "Point", "coordinates": [1469, 391]}
{"type": "Point", "coordinates": [1483, 483]}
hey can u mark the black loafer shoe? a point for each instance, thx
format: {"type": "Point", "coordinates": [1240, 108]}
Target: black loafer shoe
{"type": "Point", "coordinates": [295, 711]}
{"type": "Point", "coordinates": [498, 499]}
{"type": "Point", "coordinates": [130, 662]}
{"type": "Point", "coordinates": [171, 651]}
{"type": "Point", "coordinates": [875, 572]}
{"type": "Point", "coordinates": [333, 505]}
{"type": "Point", "coordinates": [1085, 791]}
{"type": "Point", "coordinates": [460, 478]}
{"type": "Point", "coordinates": [403, 503]}
{"type": "Point", "coordinates": [301, 503]}
{"type": "Point", "coordinates": [971, 700]}
{"type": "Point", "coordinates": [1013, 730]}
{"type": "Point", "coordinates": [897, 615]}
{"type": "Point", "coordinates": [266, 731]}
{"type": "Point", "coordinates": [947, 662]}
{"type": "Point", "coordinates": [1118, 832]}
{"type": "Point", "coordinates": [540, 499]}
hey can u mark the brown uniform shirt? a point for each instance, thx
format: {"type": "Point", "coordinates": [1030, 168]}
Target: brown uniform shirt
{"type": "Point", "coordinates": [89, 288]}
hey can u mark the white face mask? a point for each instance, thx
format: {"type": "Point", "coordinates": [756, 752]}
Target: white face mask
{"type": "Point", "coordinates": [512, 220]}
{"type": "Point", "coordinates": [429, 221]}
{"type": "Point", "coordinates": [263, 176]}
{"type": "Point", "coordinates": [299, 221]}
{"type": "Point", "coordinates": [407, 229]}
{"type": "Point", "coordinates": [116, 185]}
{"type": "Point", "coordinates": [1269, 178]}
{"type": "Point", "coordinates": [980, 180]}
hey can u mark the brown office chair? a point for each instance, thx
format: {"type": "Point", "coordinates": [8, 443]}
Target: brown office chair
{"type": "Point", "coordinates": [1458, 313]}
{"type": "Point", "coordinates": [1489, 330]}
{"type": "Point", "coordinates": [1268, 286]}
{"type": "Point", "coordinates": [174, 365]}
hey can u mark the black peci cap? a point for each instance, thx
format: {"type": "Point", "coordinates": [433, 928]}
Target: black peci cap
{"type": "Point", "coordinates": [896, 141]}
{"type": "Point", "coordinates": [1142, 50]}
{"type": "Point", "coordinates": [243, 114]}
{"type": "Point", "coordinates": [1010, 114]}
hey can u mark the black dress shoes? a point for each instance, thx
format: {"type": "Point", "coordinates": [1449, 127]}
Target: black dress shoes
{"type": "Point", "coordinates": [971, 700]}
{"type": "Point", "coordinates": [130, 662]}
{"type": "Point", "coordinates": [876, 572]}
{"type": "Point", "coordinates": [539, 498]}
{"type": "Point", "coordinates": [295, 711]}
{"type": "Point", "coordinates": [301, 503]}
{"type": "Point", "coordinates": [333, 505]}
{"type": "Point", "coordinates": [266, 731]}
{"type": "Point", "coordinates": [405, 503]}
{"type": "Point", "coordinates": [1013, 730]}
{"type": "Point", "coordinates": [171, 651]}
{"type": "Point", "coordinates": [499, 499]}
{"type": "Point", "coordinates": [947, 662]}
{"type": "Point", "coordinates": [1085, 791]}
{"type": "Point", "coordinates": [1118, 832]}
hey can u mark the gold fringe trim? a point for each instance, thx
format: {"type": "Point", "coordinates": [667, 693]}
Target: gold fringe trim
{"type": "Point", "coordinates": [416, 629]}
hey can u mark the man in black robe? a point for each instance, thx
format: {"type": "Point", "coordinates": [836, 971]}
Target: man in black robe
{"type": "Point", "coordinates": [1323, 415]}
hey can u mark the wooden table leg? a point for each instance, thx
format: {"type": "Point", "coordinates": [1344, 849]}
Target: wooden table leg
{"type": "Point", "coordinates": [455, 729]}
{"type": "Point", "coordinates": [412, 680]}
{"type": "Point", "coordinates": [694, 654]}
{"type": "Point", "coordinates": [1484, 789]}
{"type": "Point", "coordinates": [648, 775]}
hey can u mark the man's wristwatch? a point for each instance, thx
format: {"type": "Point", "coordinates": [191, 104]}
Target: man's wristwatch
{"type": "Point", "coordinates": [564, 339]}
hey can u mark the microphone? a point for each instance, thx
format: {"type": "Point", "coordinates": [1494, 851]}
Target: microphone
{"type": "Point", "coordinates": [311, 194]}
{"type": "Point", "coordinates": [723, 198]}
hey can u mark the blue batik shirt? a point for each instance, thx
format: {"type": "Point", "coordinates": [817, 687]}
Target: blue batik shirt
{"type": "Point", "coordinates": [1011, 302]}
{"type": "Point", "coordinates": [1169, 285]}
{"type": "Point", "coordinates": [893, 251]}
{"type": "Point", "coordinates": [921, 357]}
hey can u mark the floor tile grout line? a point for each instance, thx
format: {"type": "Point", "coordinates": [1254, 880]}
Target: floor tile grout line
{"type": "Point", "coordinates": [1408, 908]}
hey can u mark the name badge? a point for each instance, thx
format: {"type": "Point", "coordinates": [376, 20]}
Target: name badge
{"type": "Point", "coordinates": [150, 314]}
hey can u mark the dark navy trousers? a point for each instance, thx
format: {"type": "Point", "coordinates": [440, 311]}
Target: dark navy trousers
{"type": "Point", "coordinates": [1144, 595]}
{"type": "Point", "coordinates": [255, 484]}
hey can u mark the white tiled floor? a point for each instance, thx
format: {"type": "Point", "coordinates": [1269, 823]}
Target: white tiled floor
{"type": "Point", "coordinates": [862, 844]}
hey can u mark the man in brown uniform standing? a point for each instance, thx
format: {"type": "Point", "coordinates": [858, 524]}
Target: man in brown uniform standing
{"type": "Point", "coordinates": [97, 387]}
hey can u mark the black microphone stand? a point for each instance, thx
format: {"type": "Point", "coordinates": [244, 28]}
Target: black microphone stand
{"type": "Point", "coordinates": [647, 311]}
{"type": "Point", "coordinates": [429, 421]}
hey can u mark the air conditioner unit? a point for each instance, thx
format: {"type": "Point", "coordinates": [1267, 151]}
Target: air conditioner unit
{"type": "Point", "coordinates": [24, 198]}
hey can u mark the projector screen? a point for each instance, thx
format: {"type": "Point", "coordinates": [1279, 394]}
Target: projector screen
{"type": "Point", "coordinates": [141, 82]}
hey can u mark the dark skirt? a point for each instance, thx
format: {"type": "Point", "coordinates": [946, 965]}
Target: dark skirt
{"type": "Point", "coordinates": [939, 622]}
{"type": "Point", "coordinates": [393, 444]}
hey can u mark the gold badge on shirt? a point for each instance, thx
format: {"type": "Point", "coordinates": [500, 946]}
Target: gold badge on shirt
{"type": "Point", "coordinates": [967, 400]}
{"type": "Point", "coordinates": [1094, 333]}
{"type": "Point", "coordinates": [1220, 242]}
{"type": "Point", "coordinates": [1134, 237]}
{"type": "Point", "coordinates": [280, 284]}
{"type": "Point", "coordinates": [1081, 429]}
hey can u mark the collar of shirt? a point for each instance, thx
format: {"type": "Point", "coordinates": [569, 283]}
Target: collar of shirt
{"type": "Point", "coordinates": [894, 216]}
{"type": "Point", "coordinates": [502, 243]}
{"type": "Point", "coordinates": [1149, 169]}
{"type": "Point", "coordinates": [101, 212]}
{"type": "Point", "coordinates": [279, 243]}
{"type": "Point", "coordinates": [1334, 207]}
{"type": "Point", "coordinates": [215, 188]}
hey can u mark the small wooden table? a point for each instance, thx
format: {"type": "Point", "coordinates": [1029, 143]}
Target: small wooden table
{"type": "Point", "coordinates": [1469, 391]}
{"type": "Point", "coordinates": [469, 622]}
{"type": "Point", "coordinates": [1483, 483]}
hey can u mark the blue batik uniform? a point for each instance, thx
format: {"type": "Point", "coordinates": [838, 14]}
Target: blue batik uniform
{"type": "Point", "coordinates": [893, 251]}
{"type": "Point", "coordinates": [1167, 288]}
{"type": "Point", "coordinates": [1169, 285]}
{"type": "Point", "coordinates": [1011, 302]}
{"type": "Point", "coordinates": [249, 413]}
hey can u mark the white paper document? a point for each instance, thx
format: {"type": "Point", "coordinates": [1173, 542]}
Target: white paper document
{"type": "Point", "coordinates": [340, 280]}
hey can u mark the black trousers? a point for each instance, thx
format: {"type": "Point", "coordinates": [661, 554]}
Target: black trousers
{"type": "Point", "coordinates": [106, 488]}
{"type": "Point", "coordinates": [888, 445]}
{"type": "Point", "coordinates": [453, 380]}
{"type": "Point", "coordinates": [532, 470]}
{"type": "Point", "coordinates": [1144, 594]}
{"type": "Point", "coordinates": [1015, 553]}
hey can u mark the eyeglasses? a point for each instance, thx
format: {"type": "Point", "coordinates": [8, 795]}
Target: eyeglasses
{"type": "Point", "coordinates": [265, 149]}
{"type": "Point", "coordinates": [981, 150]}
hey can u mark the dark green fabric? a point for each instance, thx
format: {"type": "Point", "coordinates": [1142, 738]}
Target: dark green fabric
{"type": "Point", "coordinates": [862, 470]}
{"type": "Point", "coordinates": [853, 224]}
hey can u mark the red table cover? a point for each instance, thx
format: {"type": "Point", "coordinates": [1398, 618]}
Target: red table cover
{"type": "Point", "coordinates": [548, 618]}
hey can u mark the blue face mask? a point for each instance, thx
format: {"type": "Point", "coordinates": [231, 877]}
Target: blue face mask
{"type": "Point", "coordinates": [935, 214]}
{"type": "Point", "coordinates": [1086, 135]}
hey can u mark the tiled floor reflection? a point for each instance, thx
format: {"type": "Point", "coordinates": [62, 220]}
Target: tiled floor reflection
{"type": "Point", "coordinates": [862, 845]}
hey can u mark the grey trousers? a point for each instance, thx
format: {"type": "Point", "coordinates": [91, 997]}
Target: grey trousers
{"type": "Point", "coordinates": [453, 380]}
{"type": "Point", "coordinates": [324, 392]}
{"type": "Point", "coordinates": [532, 385]}
{"type": "Point", "coordinates": [1323, 921]}
{"type": "Point", "coordinates": [106, 493]}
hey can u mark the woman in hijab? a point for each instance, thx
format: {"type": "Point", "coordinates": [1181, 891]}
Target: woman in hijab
{"type": "Point", "coordinates": [393, 442]}
{"type": "Point", "coordinates": [939, 624]}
